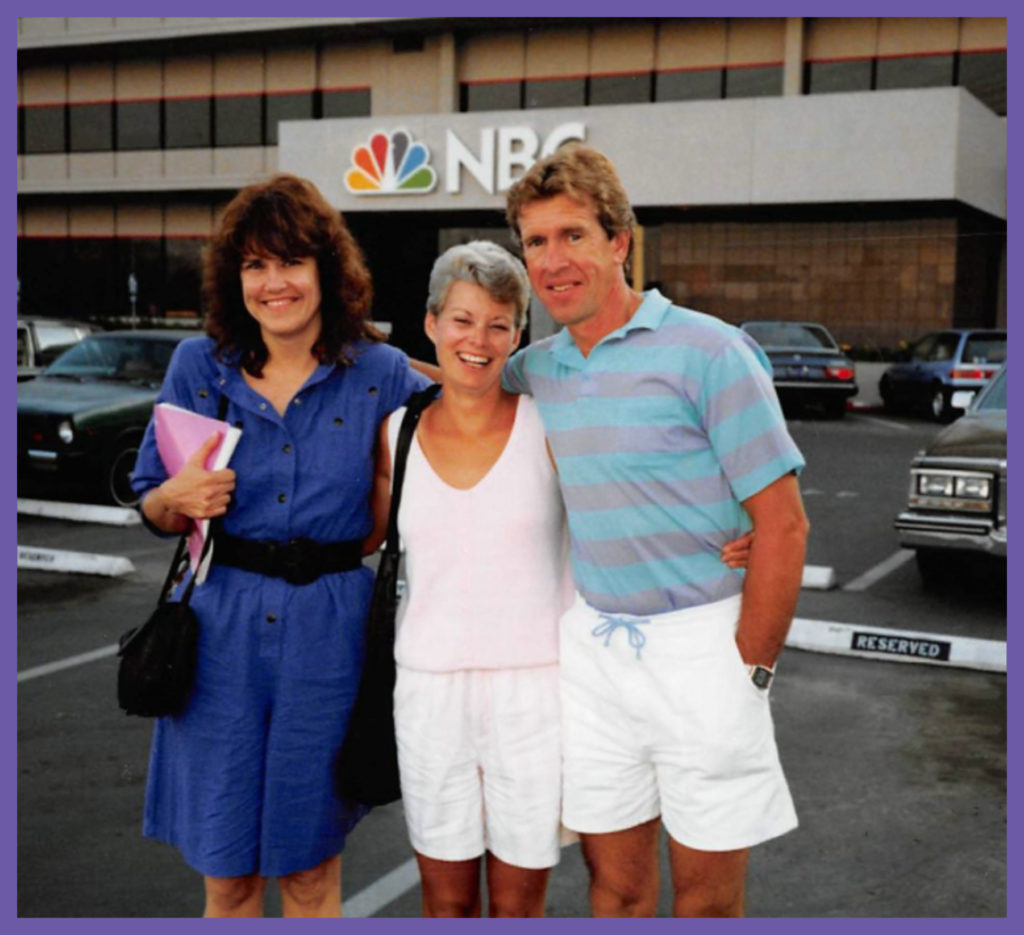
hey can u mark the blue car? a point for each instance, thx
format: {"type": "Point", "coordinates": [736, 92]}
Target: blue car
{"type": "Point", "coordinates": [940, 364]}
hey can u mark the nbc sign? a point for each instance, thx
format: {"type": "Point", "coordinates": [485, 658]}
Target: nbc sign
{"type": "Point", "coordinates": [392, 163]}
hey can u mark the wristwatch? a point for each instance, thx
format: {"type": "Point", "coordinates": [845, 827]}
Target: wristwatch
{"type": "Point", "coordinates": [761, 676]}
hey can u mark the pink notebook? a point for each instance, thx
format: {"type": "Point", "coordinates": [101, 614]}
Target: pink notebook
{"type": "Point", "coordinates": [179, 433]}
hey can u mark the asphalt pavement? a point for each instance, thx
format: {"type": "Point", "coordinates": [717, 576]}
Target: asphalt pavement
{"type": "Point", "coordinates": [898, 769]}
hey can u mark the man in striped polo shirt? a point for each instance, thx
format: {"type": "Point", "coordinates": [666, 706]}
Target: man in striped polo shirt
{"type": "Point", "coordinates": [669, 442]}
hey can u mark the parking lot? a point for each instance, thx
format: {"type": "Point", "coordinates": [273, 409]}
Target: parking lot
{"type": "Point", "coordinates": [898, 769]}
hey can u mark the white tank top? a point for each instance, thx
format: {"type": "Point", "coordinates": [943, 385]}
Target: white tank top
{"type": "Point", "coordinates": [487, 573]}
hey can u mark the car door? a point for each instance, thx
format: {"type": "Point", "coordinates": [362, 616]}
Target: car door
{"type": "Point", "coordinates": [904, 377]}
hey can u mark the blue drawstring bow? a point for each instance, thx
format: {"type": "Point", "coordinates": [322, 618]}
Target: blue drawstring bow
{"type": "Point", "coordinates": [610, 623]}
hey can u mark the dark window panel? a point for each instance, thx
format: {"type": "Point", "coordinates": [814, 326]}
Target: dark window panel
{"type": "Point", "coordinates": [93, 272]}
{"type": "Point", "coordinates": [187, 123]}
{"type": "Point", "coordinates": [184, 262]}
{"type": "Point", "coordinates": [45, 129]}
{"type": "Point", "coordinates": [760, 81]}
{"type": "Point", "coordinates": [297, 106]}
{"type": "Point", "coordinates": [92, 127]}
{"type": "Point", "coordinates": [556, 92]}
{"type": "Point", "coordinates": [238, 121]}
{"type": "Point", "coordinates": [347, 102]}
{"type": "Point", "coordinates": [142, 256]}
{"type": "Point", "coordinates": [492, 95]}
{"type": "Point", "coordinates": [984, 75]}
{"type": "Point", "coordinates": [43, 275]}
{"type": "Point", "coordinates": [620, 89]}
{"type": "Point", "coordinates": [701, 85]}
{"type": "Point", "coordinates": [138, 125]}
{"type": "Point", "coordinates": [834, 77]}
{"type": "Point", "coordinates": [918, 71]}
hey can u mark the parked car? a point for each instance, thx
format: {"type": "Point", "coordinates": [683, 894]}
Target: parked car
{"type": "Point", "coordinates": [42, 340]}
{"type": "Point", "coordinates": [81, 420]}
{"type": "Point", "coordinates": [957, 499]}
{"type": "Point", "coordinates": [938, 365]}
{"type": "Point", "coordinates": [808, 368]}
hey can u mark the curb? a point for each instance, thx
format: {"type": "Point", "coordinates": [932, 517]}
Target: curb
{"type": "Point", "coordinates": [867, 642]}
{"type": "Point", "coordinates": [80, 512]}
{"type": "Point", "coordinates": [61, 560]}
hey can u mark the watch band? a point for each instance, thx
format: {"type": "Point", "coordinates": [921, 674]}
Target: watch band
{"type": "Point", "coordinates": [761, 676]}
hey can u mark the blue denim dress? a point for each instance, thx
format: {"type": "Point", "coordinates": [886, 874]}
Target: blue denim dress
{"type": "Point", "coordinates": [241, 781]}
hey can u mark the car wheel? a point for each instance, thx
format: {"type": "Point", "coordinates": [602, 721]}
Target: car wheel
{"type": "Point", "coordinates": [117, 477]}
{"type": "Point", "coordinates": [938, 404]}
{"type": "Point", "coordinates": [934, 566]}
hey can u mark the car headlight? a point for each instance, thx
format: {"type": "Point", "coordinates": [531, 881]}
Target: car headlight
{"type": "Point", "coordinates": [950, 490]}
{"type": "Point", "coordinates": [66, 432]}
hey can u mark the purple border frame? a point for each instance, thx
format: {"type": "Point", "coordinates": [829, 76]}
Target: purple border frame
{"type": "Point", "coordinates": [582, 8]}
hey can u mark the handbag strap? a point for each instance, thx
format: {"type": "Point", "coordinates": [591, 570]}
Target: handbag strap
{"type": "Point", "coordinates": [413, 410]}
{"type": "Point", "coordinates": [179, 552]}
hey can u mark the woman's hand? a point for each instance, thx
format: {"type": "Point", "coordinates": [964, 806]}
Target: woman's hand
{"type": "Point", "coordinates": [736, 554]}
{"type": "Point", "coordinates": [194, 493]}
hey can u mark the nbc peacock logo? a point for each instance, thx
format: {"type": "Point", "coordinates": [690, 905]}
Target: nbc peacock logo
{"type": "Point", "coordinates": [391, 164]}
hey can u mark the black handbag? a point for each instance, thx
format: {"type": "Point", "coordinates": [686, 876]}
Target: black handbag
{"type": "Point", "coordinates": [366, 769]}
{"type": "Point", "coordinates": [157, 661]}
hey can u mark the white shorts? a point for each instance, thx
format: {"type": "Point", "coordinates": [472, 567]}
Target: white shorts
{"type": "Point", "coordinates": [480, 760]}
{"type": "Point", "coordinates": [659, 716]}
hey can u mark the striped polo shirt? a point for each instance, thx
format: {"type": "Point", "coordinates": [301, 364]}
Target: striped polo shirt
{"type": "Point", "coordinates": [659, 434]}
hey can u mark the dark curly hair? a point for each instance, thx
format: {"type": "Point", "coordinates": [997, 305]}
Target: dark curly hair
{"type": "Point", "coordinates": [286, 217]}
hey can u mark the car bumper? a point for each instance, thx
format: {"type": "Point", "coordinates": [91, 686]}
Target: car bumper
{"type": "Point", "coordinates": [795, 390]}
{"type": "Point", "coordinates": [965, 534]}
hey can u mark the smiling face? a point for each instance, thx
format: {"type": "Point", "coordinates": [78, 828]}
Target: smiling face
{"type": "Point", "coordinates": [283, 295]}
{"type": "Point", "coordinates": [474, 335]}
{"type": "Point", "coordinates": [575, 268]}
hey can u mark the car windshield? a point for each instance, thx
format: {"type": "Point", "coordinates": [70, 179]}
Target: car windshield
{"type": "Point", "coordinates": [789, 334]}
{"type": "Point", "coordinates": [131, 358]}
{"type": "Point", "coordinates": [985, 349]}
{"type": "Point", "coordinates": [994, 394]}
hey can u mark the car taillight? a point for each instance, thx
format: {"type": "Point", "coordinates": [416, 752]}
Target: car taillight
{"type": "Point", "coordinates": [972, 373]}
{"type": "Point", "coordinates": [839, 373]}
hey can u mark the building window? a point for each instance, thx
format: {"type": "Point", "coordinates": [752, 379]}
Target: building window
{"type": "Point", "coordinates": [238, 121]}
{"type": "Point", "coordinates": [292, 106]}
{"type": "Point", "coordinates": [835, 77]}
{"type": "Point", "coordinates": [702, 84]}
{"type": "Point", "coordinates": [346, 102]}
{"type": "Point", "coordinates": [184, 264]}
{"type": "Point", "coordinates": [620, 89]}
{"type": "Point", "coordinates": [914, 71]}
{"type": "Point", "coordinates": [758, 81]}
{"type": "Point", "coordinates": [556, 92]}
{"type": "Point", "coordinates": [143, 258]}
{"type": "Point", "coordinates": [45, 129]}
{"type": "Point", "coordinates": [138, 125]}
{"type": "Point", "coordinates": [984, 75]}
{"type": "Point", "coordinates": [491, 95]}
{"type": "Point", "coordinates": [92, 127]}
{"type": "Point", "coordinates": [42, 275]}
{"type": "Point", "coordinates": [94, 290]}
{"type": "Point", "coordinates": [187, 123]}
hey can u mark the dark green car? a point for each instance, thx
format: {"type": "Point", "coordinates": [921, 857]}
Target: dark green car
{"type": "Point", "coordinates": [81, 420]}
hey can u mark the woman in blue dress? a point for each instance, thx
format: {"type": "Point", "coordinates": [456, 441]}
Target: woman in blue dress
{"type": "Point", "coordinates": [241, 780]}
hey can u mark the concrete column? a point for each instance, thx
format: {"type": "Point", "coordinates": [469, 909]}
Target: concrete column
{"type": "Point", "coordinates": [447, 76]}
{"type": "Point", "coordinates": [793, 64]}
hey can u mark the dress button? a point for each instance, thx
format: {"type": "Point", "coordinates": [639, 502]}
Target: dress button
{"type": "Point", "coordinates": [339, 421]}
{"type": "Point", "coordinates": [298, 400]}
{"type": "Point", "coordinates": [271, 618]}
{"type": "Point", "coordinates": [263, 405]}
{"type": "Point", "coordinates": [282, 498]}
{"type": "Point", "coordinates": [286, 448]}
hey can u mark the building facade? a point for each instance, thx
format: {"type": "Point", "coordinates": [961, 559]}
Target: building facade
{"type": "Point", "coordinates": [845, 170]}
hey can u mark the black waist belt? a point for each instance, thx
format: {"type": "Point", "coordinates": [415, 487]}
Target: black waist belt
{"type": "Point", "coordinates": [298, 561]}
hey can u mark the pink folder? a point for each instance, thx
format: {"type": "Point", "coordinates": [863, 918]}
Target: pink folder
{"type": "Point", "coordinates": [179, 433]}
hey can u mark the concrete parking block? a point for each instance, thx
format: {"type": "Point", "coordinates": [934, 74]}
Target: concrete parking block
{"type": "Point", "coordinates": [79, 512]}
{"type": "Point", "coordinates": [62, 560]}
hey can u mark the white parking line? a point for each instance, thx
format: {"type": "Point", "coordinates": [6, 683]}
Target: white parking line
{"type": "Point", "coordinates": [880, 570]}
{"type": "Point", "coordinates": [885, 423]}
{"type": "Point", "coordinates": [383, 891]}
{"type": "Point", "coordinates": [63, 560]}
{"type": "Point", "coordinates": [70, 662]}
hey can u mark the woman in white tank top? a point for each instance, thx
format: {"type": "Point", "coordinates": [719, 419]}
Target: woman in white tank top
{"type": "Point", "coordinates": [486, 564]}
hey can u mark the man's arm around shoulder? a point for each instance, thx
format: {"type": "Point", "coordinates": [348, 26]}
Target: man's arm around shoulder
{"type": "Point", "coordinates": [775, 570]}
